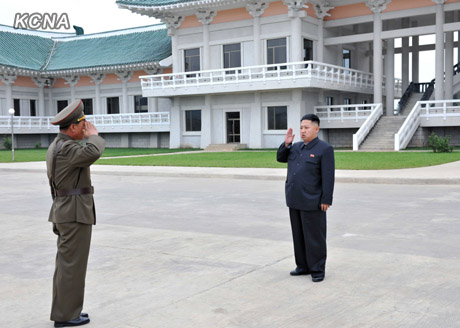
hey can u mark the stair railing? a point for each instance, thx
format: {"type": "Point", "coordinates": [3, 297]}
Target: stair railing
{"type": "Point", "coordinates": [366, 127]}
{"type": "Point", "coordinates": [407, 130]}
{"type": "Point", "coordinates": [403, 101]}
{"type": "Point", "coordinates": [428, 91]}
{"type": "Point", "coordinates": [457, 69]}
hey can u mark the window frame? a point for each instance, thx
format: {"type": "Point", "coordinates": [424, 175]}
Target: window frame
{"type": "Point", "coordinates": [192, 132]}
{"type": "Point", "coordinates": [267, 118]}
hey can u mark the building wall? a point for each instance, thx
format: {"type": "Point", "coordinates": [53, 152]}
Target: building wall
{"type": "Point", "coordinates": [420, 138]}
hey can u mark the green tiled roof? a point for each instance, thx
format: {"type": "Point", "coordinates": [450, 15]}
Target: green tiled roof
{"type": "Point", "coordinates": [45, 54]}
{"type": "Point", "coordinates": [24, 51]}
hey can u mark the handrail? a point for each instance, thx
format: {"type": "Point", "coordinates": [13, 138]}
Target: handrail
{"type": "Point", "coordinates": [344, 112]}
{"type": "Point", "coordinates": [104, 120]}
{"type": "Point", "coordinates": [405, 97]}
{"type": "Point", "coordinates": [407, 130]}
{"type": "Point", "coordinates": [456, 68]}
{"type": "Point", "coordinates": [280, 71]}
{"type": "Point", "coordinates": [367, 126]}
{"type": "Point", "coordinates": [428, 91]}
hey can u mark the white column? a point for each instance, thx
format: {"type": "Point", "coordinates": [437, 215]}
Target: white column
{"type": "Point", "coordinates": [175, 124]}
{"type": "Point", "coordinates": [321, 10]}
{"type": "Point", "coordinates": [175, 54]}
{"type": "Point", "coordinates": [205, 16]}
{"type": "Point", "coordinates": [296, 34]}
{"type": "Point", "coordinates": [40, 83]}
{"type": "Point", "coordinates": [390, 76]}
{"type": "Point", "coordinates": [378, 63]}
{"type": "Point", "coordinates": [8, 80]}
{"type": "Point", "coordinates": [449, 83]}
{"type": "Point", "coordinates": [405, 64]}
{"type": "Point", "coordinates": [124, 77]}
{"type": "Point", "coordinates": [256, 8]}
{"type": "Point", "coordinates": [72, 81]}
{"type": "Point", "coordinates": [294, 111]}
{"type": "Point", "coordinates": [439, 50]}
{"type": "Point", "coordinates": [97, 80]}
{"type": "Point", "coordinates": [256, 131]}
{"type": "Point", "coordinates": [153, 104]}
{"type": "Point", "coordinates": [173, 22]}
{"type": "Point", "coordinates": [206, 123]}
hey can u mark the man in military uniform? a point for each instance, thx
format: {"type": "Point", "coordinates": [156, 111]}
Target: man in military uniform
{"type": "Point", "coordinates": [72, 212]}
{"type": "Point", "coordinates": [309, 189]}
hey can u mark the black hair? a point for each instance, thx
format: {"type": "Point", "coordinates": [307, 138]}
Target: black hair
{"type": "Point", "coordinates": [310, 117]}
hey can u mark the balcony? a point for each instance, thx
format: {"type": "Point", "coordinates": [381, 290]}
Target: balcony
{"type": "Point", "coordinates": [114, 123]}
{"type": "Point", "coordinates": [306, 74]}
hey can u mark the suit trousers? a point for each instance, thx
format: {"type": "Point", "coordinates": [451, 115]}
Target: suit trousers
{"type": "Point", "coordinates": [309, 236]}
{"type": "Point", "coordinates": [73, 245]}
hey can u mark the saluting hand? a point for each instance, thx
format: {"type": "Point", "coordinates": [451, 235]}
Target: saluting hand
{"type": "Point", "coordinates": [289, 137]}
{"type": "Point", "coordinates": [90, 129]}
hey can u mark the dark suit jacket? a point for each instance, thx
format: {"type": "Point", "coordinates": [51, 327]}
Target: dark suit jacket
{"type": "Point", "coordinates": [72, 172]}
{"type": "Point", "coordinates": [310, 176]}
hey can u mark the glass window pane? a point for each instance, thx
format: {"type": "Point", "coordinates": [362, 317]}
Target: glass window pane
{"type": "Point", "coordinates": [281, 118]}
{"type": "Point", "coordinates": [271, 118]}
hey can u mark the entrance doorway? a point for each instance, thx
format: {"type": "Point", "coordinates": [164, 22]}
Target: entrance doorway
{"type": "Point", "coordinates": [233, 127]}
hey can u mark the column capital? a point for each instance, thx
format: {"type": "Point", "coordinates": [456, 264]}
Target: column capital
{"type": "Point", "coordinates": [8, 78]}
{"type": "Point", "coordinates": [171, 21]}
{"type": "Point", "coordinates": [205, 16]}
{"type": "Point", "coordinates": [377, 6]}
{"type": "Point", "coordinates": [97, 78]}
{"type": "Point", "coordinates": [71, 80]}
{"type": "Point", "coordinates": [40, 81]}
{"type": "Point", "coordinates": [124, 76]}
{"type": "Point", "coordinates": [321, 9]}
{"type": "Point", "coordinates": [256, 8]}
{"type": "Point", "coordinates": [439, 2]}
{"type": "Point", "coordinates": [295, 5]}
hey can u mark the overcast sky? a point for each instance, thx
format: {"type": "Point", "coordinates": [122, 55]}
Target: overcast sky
{"type": "Point", "coordinates": [93, 15]}
{"type": "Point", "coordinates": [104, 15]}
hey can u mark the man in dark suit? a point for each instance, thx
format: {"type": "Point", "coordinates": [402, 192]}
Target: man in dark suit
{"type": "Point", "coordinates": [309, 189]}
{"type": "Point", "coordinates": [72, 212]}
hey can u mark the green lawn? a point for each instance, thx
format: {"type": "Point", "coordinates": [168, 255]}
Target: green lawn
{"type": "Point", "coordinates": [33, 155]}
{"type": "Point", "coordinates": [263, 158]}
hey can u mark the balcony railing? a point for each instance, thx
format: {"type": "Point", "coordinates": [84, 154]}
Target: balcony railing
{"type": "Point", "coordinates": [342, 113]}
{"type": "Point", "coordinates": [331, 75]}
{"type": "Point", "coordinates": [133, 122]}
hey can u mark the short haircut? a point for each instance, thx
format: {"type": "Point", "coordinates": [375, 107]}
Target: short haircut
{"type": "Point", "coordinates": [311, 117]}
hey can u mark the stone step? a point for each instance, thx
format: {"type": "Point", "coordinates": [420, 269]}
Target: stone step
{"type": "Point", "coordinates": [225, 147]}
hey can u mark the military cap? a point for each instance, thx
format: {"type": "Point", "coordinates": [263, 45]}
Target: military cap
{"type": "Point", "coordinates": [71, 114]}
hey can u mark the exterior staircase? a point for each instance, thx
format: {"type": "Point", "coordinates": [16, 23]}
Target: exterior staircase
{"type": "Point", "coordinates": [225, 147]}
{"type": "Point", "coordinates": [382, 136]}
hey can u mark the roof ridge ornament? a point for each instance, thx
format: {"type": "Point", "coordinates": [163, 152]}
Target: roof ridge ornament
{"type": "Point", "coordinates": [256, 8]}
{"type": "Point", "coordinates": [205, 16]}
{"type": "Point", "coordinates": [377, 6]}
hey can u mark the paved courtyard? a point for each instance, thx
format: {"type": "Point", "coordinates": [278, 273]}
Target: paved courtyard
{"type": "Point", "coordinates": [216, 252]}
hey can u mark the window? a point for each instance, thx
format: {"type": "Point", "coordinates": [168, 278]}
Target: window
{"type": "Point", "coordinates": [17, 107]}
{"type": "Point", "coordinates": [61, 104]}
{"type": "Point", "coordinates": [307, 49]}
{"type": "Point", "coordinates": [347, 101]}
{"type": "Point", "coordinates": [276, 52]}
{"type": "Point", "coordinates": [140, 104]}
{"type": "Point", "coordinates": [346, 58]}
{"type": "Point", "coordinates": [277, 117]}
{"type": "Point", "coordinates": [33, 109]}
{"type": "Point", "coordinates": [113, 105]}
{"type": "Point", "coordinates": [88, 106]}
{"type": "Point", "coordinates": [329, 101]}
{"type": "Point", "coordinates": [192, 120]}
{"type": "Point", "coordinates": [232, 56]}
{"type": "Point", "coordinates": [192, 61]}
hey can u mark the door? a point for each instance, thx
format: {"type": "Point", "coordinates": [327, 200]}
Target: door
{"type": "Point", "coordinates": [233, 127]}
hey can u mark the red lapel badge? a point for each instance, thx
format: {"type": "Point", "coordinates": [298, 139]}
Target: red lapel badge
{"type": "Point", "coordinates": [312, 155]}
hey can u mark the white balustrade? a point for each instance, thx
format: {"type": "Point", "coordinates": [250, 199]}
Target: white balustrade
{"type": "Point", "coordinates": [134, 122]}
{"type": "Point", "coordinates": [356, 112]}
{"type": "Point", "coordinates": [363, 131]}
{"type": "Point", "coordinates": [263, 73]}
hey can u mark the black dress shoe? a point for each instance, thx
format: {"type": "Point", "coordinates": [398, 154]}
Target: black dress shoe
{"type": "Point", "coordinates": [317, 279]}
{"type": "Point", "coordinates": [80, 321]}
{"type": "Point", "coordinates": [298, 272]}
{"type": "Point", "coordinates": [84, 315]}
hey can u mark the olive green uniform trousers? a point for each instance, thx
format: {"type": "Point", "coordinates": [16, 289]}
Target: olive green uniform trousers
{"type": "Point", "coordinates": [73, 245]}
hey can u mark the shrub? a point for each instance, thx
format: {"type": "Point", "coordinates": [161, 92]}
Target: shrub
{"type": "Point", "coordinates": [7, 143]}
{"type": "Point", "coordinates": [439, 144]}
{"type": "Point", "coordinates": [38, 145]}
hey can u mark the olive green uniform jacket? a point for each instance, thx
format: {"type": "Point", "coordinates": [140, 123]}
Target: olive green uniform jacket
{"type": "Point", "coordinates": [72, 172]}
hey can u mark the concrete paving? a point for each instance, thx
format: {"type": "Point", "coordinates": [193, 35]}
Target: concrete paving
{"type": "Point", "coordinates": [190, 247]}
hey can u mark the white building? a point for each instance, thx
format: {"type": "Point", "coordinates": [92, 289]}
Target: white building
{"type": "Point", "coordinates": [242, 72]}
